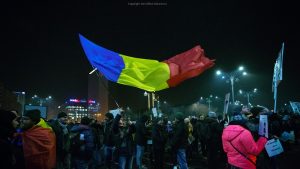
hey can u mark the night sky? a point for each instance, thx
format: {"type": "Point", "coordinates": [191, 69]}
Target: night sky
{"type": "Point", "coordinates": [42, 54]}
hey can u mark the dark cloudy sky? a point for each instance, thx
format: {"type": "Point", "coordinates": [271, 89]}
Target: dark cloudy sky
{"type": "Point", "coordinates": [42, 53]}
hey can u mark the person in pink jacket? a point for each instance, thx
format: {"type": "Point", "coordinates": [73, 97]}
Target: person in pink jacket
{"type": "Point", "coordinates": [239, 145]}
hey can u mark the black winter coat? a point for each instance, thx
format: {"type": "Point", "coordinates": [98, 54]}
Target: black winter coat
{"type": "Point", "coordinates": [141, 133]}
{"type": "Point", "coordinates": [62, 139]}
{"type": "Point", "coordinates": [180, 137]}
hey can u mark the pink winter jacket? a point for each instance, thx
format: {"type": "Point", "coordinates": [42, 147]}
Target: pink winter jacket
{"type": "Point", "coordinates": [242, 140]}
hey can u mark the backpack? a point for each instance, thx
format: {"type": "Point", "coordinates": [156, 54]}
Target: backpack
{"type": "Point", "coordinates": [76, 143]}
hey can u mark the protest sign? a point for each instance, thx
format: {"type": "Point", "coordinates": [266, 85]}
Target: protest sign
{"type": "Point", "coordinates": [263, 125]}
{"type": "Point", "coordinates": [226, 104]}
{"type": "Point", "coordinates": [115, 112]}
{"type": "Point", "coordinates": [273, 147]}
{"type": "Point", "coordinates": [154, 112]}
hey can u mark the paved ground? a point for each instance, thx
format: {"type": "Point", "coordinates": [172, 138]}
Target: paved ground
{"type": "Point", "coordinates": [288, 160]}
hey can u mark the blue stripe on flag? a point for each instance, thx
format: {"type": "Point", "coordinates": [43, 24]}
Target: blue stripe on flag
{"type": "Point", "coordinates": [109, 63]}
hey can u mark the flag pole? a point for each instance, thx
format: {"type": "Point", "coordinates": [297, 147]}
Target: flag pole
{"type": "Point", "coordinates": [98, 74]}
{"type": "Point", "coordinates": [91, 72]}
{"type": "Point", "coordinates": [275, 98]}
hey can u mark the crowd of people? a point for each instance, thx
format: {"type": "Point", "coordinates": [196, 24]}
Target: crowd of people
{"type": "Point", "coordinates": [31, 142]}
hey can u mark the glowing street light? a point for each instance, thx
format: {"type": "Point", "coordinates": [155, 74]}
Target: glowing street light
{"type": "Point", "coordinates": [49, 98]}
{"type": "Point", "coordinates": [149, 100]}
{"type": "Point", "coordinates": [248, 94]}
{"type": "Point", "coordinates": [241, 68]}
{"type": "Point", "coordinates": [209, 100]}
{"type": "Point", "coordinates": [232, 77]}
{"type": "Point", "coordinates": [39, 100]}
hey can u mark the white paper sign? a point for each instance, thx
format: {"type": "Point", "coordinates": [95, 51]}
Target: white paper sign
{"type": "Point", "coordinates": [115, 112]}
{"type": "Point", "coordinates": [263, 125]}
{"type": "Point", "coordinates": [149, 142]}
{"type": "Point", "coordinates": [273, 147]}
{"type": "Point", "coordinates": [154, 111]}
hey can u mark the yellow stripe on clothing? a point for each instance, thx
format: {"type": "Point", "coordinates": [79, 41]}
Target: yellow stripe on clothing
{"type": "Point", "coordinates": [44, 124]}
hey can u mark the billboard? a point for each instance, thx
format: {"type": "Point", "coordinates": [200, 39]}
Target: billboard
{"type": "Point", "coordinates": [43, 110]}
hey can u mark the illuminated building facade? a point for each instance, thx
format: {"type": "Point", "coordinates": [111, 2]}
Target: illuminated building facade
{"type": "Point", "coordinates": [78, 108]}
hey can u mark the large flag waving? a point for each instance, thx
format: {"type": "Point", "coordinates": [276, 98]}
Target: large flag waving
{"type": "Point", "coordinates": [146, 74]}
{"type": "Point", "coordinates": [277, 75]}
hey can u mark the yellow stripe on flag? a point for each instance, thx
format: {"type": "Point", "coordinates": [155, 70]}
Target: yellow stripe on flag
{"type": "Point", "coordinates": [146, 74]}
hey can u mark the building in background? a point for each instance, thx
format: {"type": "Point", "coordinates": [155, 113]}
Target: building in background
{"type": "Point", "coordinates": [78, 108]}
{"type": "Point", "coordinates": [46, 105]}
{"type": "Point", "coordinates": [98, 91]}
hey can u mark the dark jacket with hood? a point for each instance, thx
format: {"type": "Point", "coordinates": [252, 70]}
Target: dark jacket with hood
{"type": "Point", "coordinates": [180, 137]}
{"type": "Point", "coordinates": [159, 137]}
{"type": "Point", "coordinates": [212, 130]}
{"type": "Point", "coordinates": [108, 139]}
{"type": "Point", "coordinates": [62, 138]}
{"type": "Point", "coordinates": [88, 147]}
{"type": "Point", "coordinates": [141, 131]}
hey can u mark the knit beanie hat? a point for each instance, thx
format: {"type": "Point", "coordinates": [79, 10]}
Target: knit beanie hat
{"type": "Point", "coordinates": [34, 115]}
{"type": "Point", "coordinates": [62, 114]}
{"type": "Point", "coordinates": [179, 116]}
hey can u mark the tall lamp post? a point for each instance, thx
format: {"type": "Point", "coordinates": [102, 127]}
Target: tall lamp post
{"type": "Point", "coordinates": [232, 77]}
{"type": "Point", "coordinates": [40, 101]}
{"type": "Point", "coordinates": [248, 94]}
{"type": "Point", "coordinates": [149, 101]}
{"type": "Point", "coordinates": [209, 100]}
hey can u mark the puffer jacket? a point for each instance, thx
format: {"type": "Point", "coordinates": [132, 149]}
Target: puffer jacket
{"type": "Point", "coordinates": [242, 140]}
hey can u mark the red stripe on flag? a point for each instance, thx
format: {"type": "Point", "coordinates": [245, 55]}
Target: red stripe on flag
{"type": "Point", "coordinates": [187, 65]}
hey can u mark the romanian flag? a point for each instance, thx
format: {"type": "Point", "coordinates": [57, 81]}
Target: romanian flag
{"type": "Point", "coordinates": [146, 74]}
{"type": "Point", "coordinates": [39, 147]}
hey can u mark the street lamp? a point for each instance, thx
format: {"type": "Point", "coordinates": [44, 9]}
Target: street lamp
{"type": "Point", "coordinates": [38, 100]}
{"type": "Point", "coordinates": [248, 94]}
{"type": "Point", "coordinates": [232, 77]}
{"type": "Point", "coordinates": [43, 100]}
{"type": "Point", "coordinates": [209, 100]}
{"type": "Point", "coordinates": [148, 95]}
{"type": "Point", "coordinates": [151, 99]}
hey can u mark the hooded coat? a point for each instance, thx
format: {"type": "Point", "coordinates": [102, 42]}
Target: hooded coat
{"type": "Point", "coordinates": [180, 138]}
{"type": "Point", "coordinates": [89, 145]}
{"type": "Point", "coordinates": [243, 141]}
{"type": "Point", "coordinates": [142, 133]}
